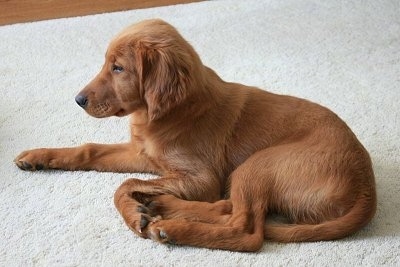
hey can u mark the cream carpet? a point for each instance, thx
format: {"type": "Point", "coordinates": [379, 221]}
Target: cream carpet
{"type": "Point", "coordinates": [342, 54]}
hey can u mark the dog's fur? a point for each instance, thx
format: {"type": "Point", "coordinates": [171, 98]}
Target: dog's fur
{"type": "Point", "coordinates": [228, 155]}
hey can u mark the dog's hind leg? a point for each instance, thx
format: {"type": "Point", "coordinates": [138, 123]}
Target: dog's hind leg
{"type": "Point", "coordinates": [171, 207]}
{"type": "Point", "coordinates": [242, 231]}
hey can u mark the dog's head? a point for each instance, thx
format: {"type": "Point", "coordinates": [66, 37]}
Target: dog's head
{"type": "Point", "coordinates": [147, 66]}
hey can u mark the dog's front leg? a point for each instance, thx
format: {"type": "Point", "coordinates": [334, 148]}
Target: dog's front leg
{"type": "Point", "coordinates": [99, 157]}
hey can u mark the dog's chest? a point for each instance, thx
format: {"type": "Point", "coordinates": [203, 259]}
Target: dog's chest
{"type": "Point", "coordinates": [144, 142]}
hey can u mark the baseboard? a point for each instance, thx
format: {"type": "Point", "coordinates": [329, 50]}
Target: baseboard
{"type": "Point", "coordinates": [16, 11]}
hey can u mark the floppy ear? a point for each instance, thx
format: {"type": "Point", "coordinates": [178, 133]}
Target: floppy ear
{"type": "Point", "coordinates": [165, 78]}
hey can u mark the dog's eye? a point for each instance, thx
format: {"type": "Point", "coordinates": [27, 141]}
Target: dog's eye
{"type": "Point", "coordinates": [117, 69]}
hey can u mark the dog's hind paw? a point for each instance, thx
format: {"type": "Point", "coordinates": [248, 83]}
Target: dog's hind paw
{"type": "Point", "coordinates": [145, 220]}
{"type": "Point", "coordinates": [159, 235]}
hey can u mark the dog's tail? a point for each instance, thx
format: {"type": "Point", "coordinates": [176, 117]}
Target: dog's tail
{"type": "Point", "coordinates": [357, 217]}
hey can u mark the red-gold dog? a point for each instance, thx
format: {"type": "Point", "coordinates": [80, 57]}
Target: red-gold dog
{"type": "Point", "coordinates": [228, 155]}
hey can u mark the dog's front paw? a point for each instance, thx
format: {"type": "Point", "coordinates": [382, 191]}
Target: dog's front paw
{"type": "Point", "coordinates": [33, 160]}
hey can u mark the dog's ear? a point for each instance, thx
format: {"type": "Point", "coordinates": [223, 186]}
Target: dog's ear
{"type": "Point", "coordinates": [164, 77]}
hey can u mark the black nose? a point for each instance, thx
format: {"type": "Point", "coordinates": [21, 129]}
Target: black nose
{"type": "Point", "coordinates": [81, 100]}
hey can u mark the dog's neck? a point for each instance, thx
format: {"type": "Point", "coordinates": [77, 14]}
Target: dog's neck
{"type": "Point", "coordinates": [139, 117]}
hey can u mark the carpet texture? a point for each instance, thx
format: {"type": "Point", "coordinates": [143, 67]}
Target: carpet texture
{"type": "Point", "coordinates": [342, 54]}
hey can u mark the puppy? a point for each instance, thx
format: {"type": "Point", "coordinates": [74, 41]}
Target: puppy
{"type": "Point", "coordinates": [227, 155]}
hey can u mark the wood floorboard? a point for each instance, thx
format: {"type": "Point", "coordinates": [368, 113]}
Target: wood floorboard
{"type": "Point", "coordinates": [16, 11]}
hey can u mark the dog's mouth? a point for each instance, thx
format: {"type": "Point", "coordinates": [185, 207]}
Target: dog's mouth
{"type": "Point", "coordinates": [121, 113]}
{"type": "Point", "coordinates": [105, 110]}
{"type": "Point", "coordinates": [100, 109]}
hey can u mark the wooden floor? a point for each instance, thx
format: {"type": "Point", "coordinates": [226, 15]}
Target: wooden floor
{"type": "Point", "coordinates": [15, 11]}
